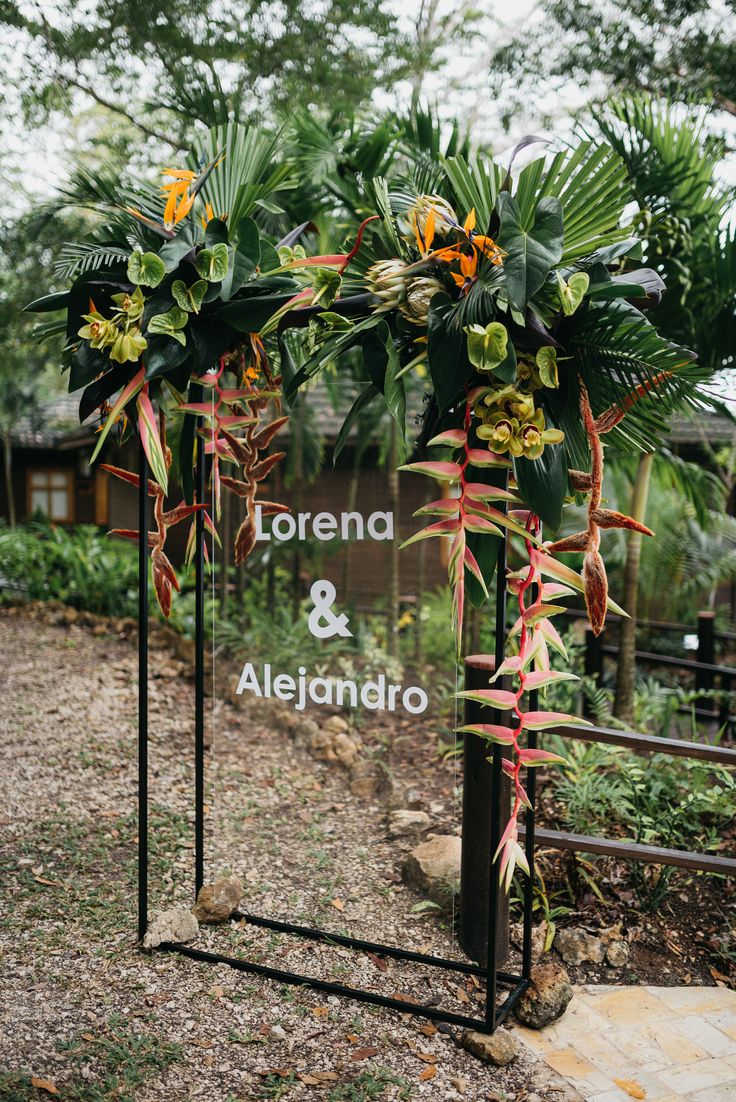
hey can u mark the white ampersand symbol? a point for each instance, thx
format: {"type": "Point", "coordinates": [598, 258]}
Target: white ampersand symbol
{"type": "Point", "coordinates": [323, 623]}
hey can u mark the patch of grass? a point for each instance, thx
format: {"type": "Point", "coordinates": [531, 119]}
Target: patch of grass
{"type": "Point", "coordinates": [119, 1061]}
{"type": "Point", "coordinates": [276, 1087]}
{"type": "Point", "coordinates": [369, 1085]}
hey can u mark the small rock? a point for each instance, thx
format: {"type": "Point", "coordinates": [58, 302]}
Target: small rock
{"type": "Point", "coordinates": [216, 902]}
{"type": "Point", "coordinates": [460, 1084]}
{"type": "Point", "coordinates": [547, 996]}
{"type": "Point", "coordinates": [177, 925]}
{"type": "Point", "coordinates": [365, 779]}
{"type": "Point", "coordinates": [278, 1033]}
{"type": "Point", "coordinates": [305, 731]}
{"type": "Point", "coordinates": [433, 867]}
{"type": "Point", "coordinates": [336, 725]}
{"type": "Point", "coordinates": [617, 954]}
{"type": "Point", "coordinates": [497, 1048]}
{"type": "Point", "coordinates": [539, 937]}
{"type": "Point", "coordinates": [577, 946]}
{"type": "Point", "coordinates": [403, 822]}
{"type": "Point", "coordinates": [345, 748]}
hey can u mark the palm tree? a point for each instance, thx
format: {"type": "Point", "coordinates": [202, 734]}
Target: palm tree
{"type": "Point", "coordinates": [672, 164]}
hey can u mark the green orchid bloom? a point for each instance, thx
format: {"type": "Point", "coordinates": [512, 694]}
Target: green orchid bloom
{"type": "Point", "coordinates": [502, 434]}
{"type": "Point", "coordinates": [534, 436]}
{"type": "Point", "coordinates": [128, 346]}
{"type": "Point", "coordinates": [130, 305]}
{"type": "Point", "coordinates": [98, 331]}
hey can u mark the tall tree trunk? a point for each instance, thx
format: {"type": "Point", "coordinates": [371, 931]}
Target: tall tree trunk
{"type": "Point", "coordinates": [394, 585]}
{"type": "Point", "coordinates": [8, 464]}
{"type": "Point", "coordinates": [227, 529]}
{"type": "Point", "coordinates": [351, 503]}
{"type": "Point", "coordinates": [626, 672]}
{"type": "Point", "coordinates": [297, 487]}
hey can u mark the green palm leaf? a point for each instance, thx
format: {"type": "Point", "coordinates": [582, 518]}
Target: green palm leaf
{"type": "Point", "coordinates": [251, 171]}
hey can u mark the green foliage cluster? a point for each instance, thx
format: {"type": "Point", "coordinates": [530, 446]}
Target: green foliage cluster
{"type": "Point", "coordinates": [81, 567]}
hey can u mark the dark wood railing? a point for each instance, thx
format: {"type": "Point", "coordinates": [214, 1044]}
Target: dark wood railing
{"type": "Point", "coordinates": [637, 851]}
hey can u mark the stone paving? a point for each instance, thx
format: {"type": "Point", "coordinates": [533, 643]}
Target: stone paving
{"type": "Point", "coordinates": [662, 1044]}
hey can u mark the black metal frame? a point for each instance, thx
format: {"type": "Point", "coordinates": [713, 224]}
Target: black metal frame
{"type": "Point", "coordinates": [516, 984]}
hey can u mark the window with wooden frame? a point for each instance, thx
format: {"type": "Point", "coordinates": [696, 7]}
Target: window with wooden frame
{"type": "Point", "coordinates": [51, 492]}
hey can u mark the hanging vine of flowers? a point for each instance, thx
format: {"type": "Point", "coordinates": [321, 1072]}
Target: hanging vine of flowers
{"type": "Point", "coordinates": [515, 300]}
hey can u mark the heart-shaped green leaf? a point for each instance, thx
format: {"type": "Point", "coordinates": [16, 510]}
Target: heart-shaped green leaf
{"type": "Point", "coordinates": [531, 253]}
{"type": "Point", "coordinates": [212, 264]}
{"type": "Point", "coordinates": [487, 346]}
{"type": "Point", "coordinates": [147, 269]}
{"type": "Point", "coordinates": [547, 365]}
{"type": "Point", "coordinates": [189, 298]}
{"type": "Point", "coordinates": [170, 324]}
{"type": "Point", "coordinates": [573, 292]}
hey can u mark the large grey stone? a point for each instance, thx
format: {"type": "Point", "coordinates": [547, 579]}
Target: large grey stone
{"type": "Point", "coordinates": [433, 867]}
{"type": "Point", "coordinates": [578, 947]}
{"type": "Point", "coordinates": [403, 821]}
{"type": "Point", "coordinates": [547, 996]}
{"type": "Point", "coordinates": [176, 925]}
{"type": "Point", "coordinates": [497, 1048]}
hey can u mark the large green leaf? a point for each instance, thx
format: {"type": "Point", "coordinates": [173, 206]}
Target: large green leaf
{"type": "Point", "coordinates": [382, 366]}
{"type": "Point", "coordinates": [531, 253]}
{"type": "Point", "coordinates": [543, 484]}
{"type": "Point", "coordinates": [246, 257]}
{"type": "Point", "coordinates": [590, 182]}
{"type": "Point", "coordinates": [449, 366]}
{"type": "Point", "coordinates": [364, 399]}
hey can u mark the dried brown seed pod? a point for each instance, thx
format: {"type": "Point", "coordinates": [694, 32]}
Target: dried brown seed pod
{"type": "Point", "coordinates": [581, 481]}
{"type": "Point", "coordinates": [580, 541]}
{"type": "Point", "coordinates": [595, 582]}
{"type": "Point", "coordinates": [609, 518]}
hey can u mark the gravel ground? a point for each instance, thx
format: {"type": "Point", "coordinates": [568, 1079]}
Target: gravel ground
{"type": "Point", "coordinates": [85, 1015]}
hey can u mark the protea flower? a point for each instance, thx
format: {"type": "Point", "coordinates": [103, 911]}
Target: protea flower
{"type": "Point", "coordinates": [387, 281]}
{"type": "Point", "coordinates": [419, 294]}
{"type": "Point", "coordinates": [445, 218]}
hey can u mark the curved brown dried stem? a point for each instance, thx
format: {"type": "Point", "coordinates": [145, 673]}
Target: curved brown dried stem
{"type": "Point", "coordinates": [588, 541]}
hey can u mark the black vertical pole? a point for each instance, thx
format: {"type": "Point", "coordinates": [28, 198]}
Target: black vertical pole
{"type": "Point", "coordinates": [476, 864]}
{"type": "Point", "coordinates": [142, 693]}
{"type": "Point", "coordinates": [199, 491]}
{"type": "Point", "coordinates": [493, 884]}
{"type": "Point", "coordinates": [529, 823]}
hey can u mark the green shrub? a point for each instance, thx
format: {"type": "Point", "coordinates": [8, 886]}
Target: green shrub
{"type": "Point", "coordinates": [81, 567]}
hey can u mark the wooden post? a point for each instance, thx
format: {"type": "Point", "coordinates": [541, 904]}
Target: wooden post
{"type": "Point", "coordinates": [704, 679]}
{"type": "Point", "coordinates": [593, 657]}
{"type": "Point", "coordinates": [476, 861]}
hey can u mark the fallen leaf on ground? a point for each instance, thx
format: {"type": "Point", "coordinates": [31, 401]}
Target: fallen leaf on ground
{"type": "Point", "coordinates": [44, 1085]}
{"type": "Point", "coordinates": [321, 1011]}
{"type": "Point", "coordinates": [338, 904]}
{"type": "Point", "coordinates": [363, 1053]}
{"type": "Point", "coordinates": [631, 1087]}
{"type": "Point", "coordinates": [718, 976]}
{"type": "Point", "coordinates": [428, 1057]}
{"type": "Point", "coordinates": [428, 1029]}
{"type": "Point", "coordinates": [380, 962]}
{"type": "Point", "coordinates": [428, 1073]}
{"type": "Point", "coordinates": [283, 1073]}
{"type": "Point", "coordinates": [43, 880]}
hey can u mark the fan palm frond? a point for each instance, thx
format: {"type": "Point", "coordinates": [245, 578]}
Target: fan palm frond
{"type": "Point", "coordinates": [250, 173]}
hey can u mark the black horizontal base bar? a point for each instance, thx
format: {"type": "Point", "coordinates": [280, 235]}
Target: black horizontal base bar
{"type": "Point", "coordinates": [434, 1013]}
{"type": "Point", "coordinates": [371, 946]}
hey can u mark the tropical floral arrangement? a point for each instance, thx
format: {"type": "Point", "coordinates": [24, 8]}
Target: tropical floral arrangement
{"type": "Point", "coordinates": [516, 298]}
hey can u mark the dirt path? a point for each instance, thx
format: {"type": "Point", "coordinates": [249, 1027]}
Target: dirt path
{"type": "Point", "coordinates": [86, 1012]}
